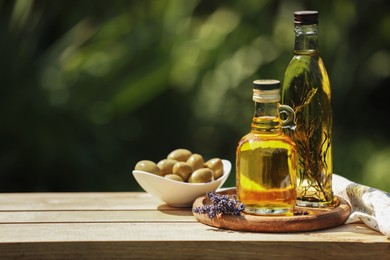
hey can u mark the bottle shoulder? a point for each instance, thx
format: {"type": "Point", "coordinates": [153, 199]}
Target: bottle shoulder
{"type": "Point", "coordinates": [308, 62]}
{"type": "Point", "coordinates": [306, 68]}
{"type": "Point", "coordinates": [274, 140]}
{"type": "Point", "coordinates": [305, 59]}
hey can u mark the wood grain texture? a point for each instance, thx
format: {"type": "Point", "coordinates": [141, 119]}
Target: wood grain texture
{"type": "Point", "coordinates": [134, 225]}
{"type": "Point", "coordinates": [78, 201]}
{"type": "Point", "coordinates": [169, 231]}
{"type": "Point", "coordinates": [318, 218]}
{"type": "Point", "coordinates": [101, 216]}
{"type": "Point", "coordinates": [193, 250]}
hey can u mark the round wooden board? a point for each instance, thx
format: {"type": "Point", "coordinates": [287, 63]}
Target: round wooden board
{"type": "Point", "coordinates": [318, 218]}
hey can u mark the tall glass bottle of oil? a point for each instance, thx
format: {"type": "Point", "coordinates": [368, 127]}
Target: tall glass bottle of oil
{"type": "Point", "coordinates": [307, 90]}
{"type": "Point", "coordinates": [266, 157]}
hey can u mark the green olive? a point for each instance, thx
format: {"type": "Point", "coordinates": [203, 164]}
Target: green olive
{"type": "Point", "coordinates": [196, 161]}
{"type": "Point", "coordinates": [182, 169]}
{"type": "Point", "coordinates": [173, 177]}
{"type": "Point", "coordinates": [166, 166]}
{"type": "Point", "coordinates": [148, 166]}
{"type": "Point", "coordinates": [201, 176]}
{"type": "Point", "coordinates": [180, 155]}
{"type": "Point", "coordinates": [216, 166]}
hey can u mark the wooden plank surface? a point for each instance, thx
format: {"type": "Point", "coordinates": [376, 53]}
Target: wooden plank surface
{"type": "Point", "coordinates": [184, 241]}
{"type": "Point", "coordinates": [134, 225]}
{"type": "Point", "coordinates": [79, 201]}
{"type": "Point", "coordinates": [192, 250]}
{"type": "Point", "coordinates": [169, 231]}
{"type": "Point", "coordinates": [106, 216]}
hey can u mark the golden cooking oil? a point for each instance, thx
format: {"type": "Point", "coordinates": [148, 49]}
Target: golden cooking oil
{"type": "Point", "coordinates": [306, 89]}
{"type": "Point", "coordinates": [266, 157]}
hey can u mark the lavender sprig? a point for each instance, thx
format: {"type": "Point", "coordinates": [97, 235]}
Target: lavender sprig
{"type": "Point", "coordinates": [221, 204]}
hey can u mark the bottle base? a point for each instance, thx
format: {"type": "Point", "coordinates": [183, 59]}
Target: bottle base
{"type": "Point", "coordinates": [316, 204]}
{"type": "Point", "coordinates": [267, 211]}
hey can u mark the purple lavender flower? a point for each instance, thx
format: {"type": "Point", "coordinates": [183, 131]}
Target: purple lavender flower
{"type": "Point", "coordinates": [220, 204]}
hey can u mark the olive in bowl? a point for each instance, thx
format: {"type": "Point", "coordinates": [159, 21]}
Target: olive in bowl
{"type": "Point", "coordinates": [178, 187]}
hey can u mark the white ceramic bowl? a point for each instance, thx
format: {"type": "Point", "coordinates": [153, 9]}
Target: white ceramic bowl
{"type": "Point", "coordinates": [178, 194]}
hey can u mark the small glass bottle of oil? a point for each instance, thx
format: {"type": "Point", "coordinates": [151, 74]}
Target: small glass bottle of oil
{"type": "Point", "coordinates": [266, 157]}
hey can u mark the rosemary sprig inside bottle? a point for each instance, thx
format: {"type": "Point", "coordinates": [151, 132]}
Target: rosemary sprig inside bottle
{"type": "Point", "coordinates": [220, 204]}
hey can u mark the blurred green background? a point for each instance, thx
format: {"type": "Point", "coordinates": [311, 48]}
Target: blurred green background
{"type": "Point", "coordinates": [88, 88]}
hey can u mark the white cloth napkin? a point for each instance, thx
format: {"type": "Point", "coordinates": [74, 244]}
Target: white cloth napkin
{"type": "Point", "coordinates": [369, 205]}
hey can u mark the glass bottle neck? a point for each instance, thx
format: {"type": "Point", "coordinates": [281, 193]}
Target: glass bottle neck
{"type": "Point", "coordinates": [306, 39]}
{"type": "Point", "coordinates": [266, 118]}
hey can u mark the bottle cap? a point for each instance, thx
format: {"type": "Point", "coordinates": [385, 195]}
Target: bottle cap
{"type": "Point", "coordinates": [266, 90]}
{"type": "Point", "coordinates": [266, 84]}
{"type": "Point", "coordinates": [306, 17]}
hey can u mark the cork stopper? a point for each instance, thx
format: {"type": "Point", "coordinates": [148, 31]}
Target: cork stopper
{"type": "Point", "coordinates": [306, 17]}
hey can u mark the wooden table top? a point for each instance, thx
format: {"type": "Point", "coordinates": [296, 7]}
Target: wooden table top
{"type": "Point", "coordinates": [134, 225]}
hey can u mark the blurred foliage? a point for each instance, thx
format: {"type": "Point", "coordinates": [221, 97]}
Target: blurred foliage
{"type": "Point", "coordinates": [88, 88]}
